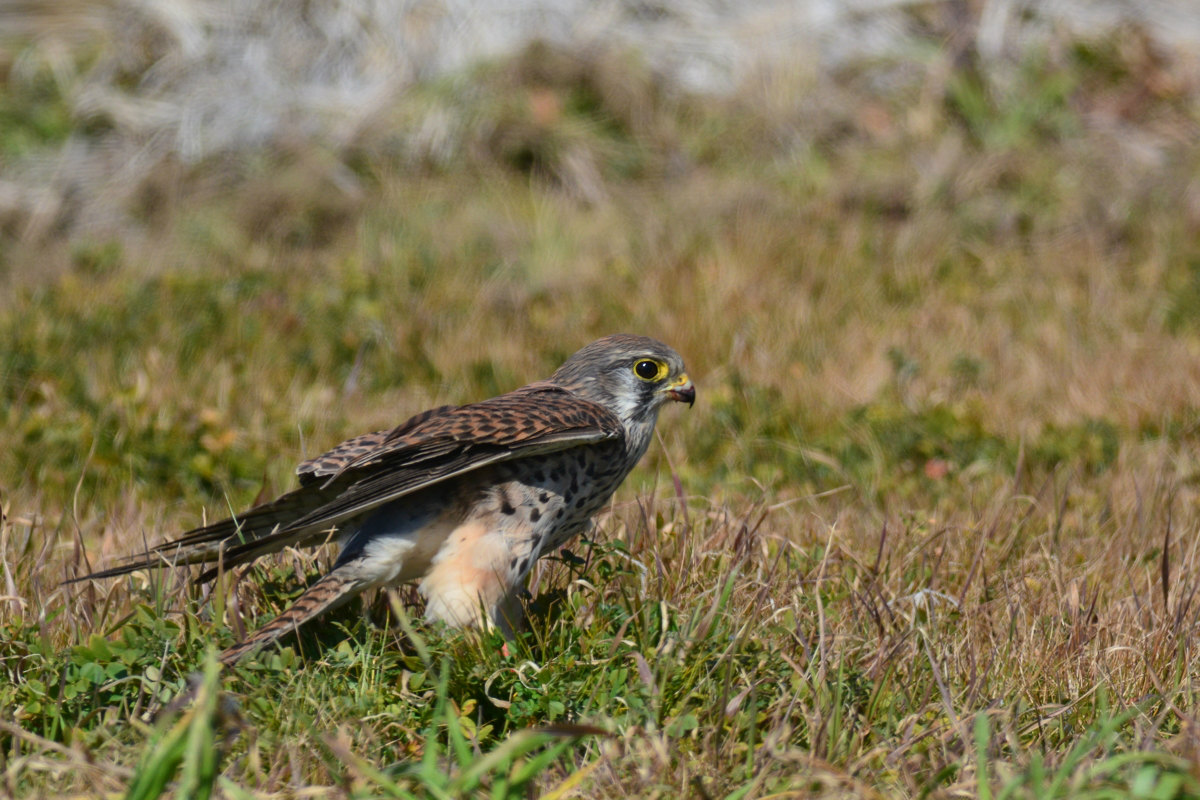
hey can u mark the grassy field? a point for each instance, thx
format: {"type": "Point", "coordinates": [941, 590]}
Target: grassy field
{"type": "Point", "coordinates": [931, 529]}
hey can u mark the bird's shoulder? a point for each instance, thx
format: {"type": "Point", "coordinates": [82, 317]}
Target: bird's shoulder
{"type": "Point", "coordinates": [540, 412]}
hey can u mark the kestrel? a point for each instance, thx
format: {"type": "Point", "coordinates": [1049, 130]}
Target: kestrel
{"type": "Point", "coordinates": [460, 499]}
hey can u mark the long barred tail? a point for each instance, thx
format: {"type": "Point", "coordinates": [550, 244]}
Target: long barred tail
{"type": "Point", "coordinates": [331, 590]}
{"type": "Point", "coordinates": [263, 529]}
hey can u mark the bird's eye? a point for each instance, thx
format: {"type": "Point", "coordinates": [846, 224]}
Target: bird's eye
{"type": "Point", "coordinates": [649, 370]}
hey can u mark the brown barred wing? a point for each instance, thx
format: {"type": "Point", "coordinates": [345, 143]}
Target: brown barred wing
{"type": "Point", "coordinates": [361, 447]}
{"type": "Point", "coordinates": [528, 422]}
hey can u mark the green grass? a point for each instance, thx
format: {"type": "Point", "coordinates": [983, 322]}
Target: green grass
{"type": "Point", "coordinates": [928, 531]}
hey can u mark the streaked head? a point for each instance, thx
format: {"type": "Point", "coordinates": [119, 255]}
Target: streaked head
{"type": "Point", "coordinates": [632, 376]}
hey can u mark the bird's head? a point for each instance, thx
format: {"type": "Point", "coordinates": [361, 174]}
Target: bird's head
{"type": "Point", "coordinates": [632, 376]}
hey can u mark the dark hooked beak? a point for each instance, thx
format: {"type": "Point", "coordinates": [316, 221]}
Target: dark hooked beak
{"type": "Point", "coordinates": [681, 390]}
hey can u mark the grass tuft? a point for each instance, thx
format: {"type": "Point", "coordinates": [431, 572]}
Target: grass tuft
{"type": "Point", "coordinates": [929, 531]}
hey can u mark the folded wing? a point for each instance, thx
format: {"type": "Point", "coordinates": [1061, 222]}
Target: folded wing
{"type": "Point", "coordinates": [368, 471]}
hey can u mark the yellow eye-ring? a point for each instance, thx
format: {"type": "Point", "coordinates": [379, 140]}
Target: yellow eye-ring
{"type": "Point", "coordinates": [649, 369]}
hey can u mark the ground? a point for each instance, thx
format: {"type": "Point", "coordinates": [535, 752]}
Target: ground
{"type": "Point", "coordinates": [930, 529]}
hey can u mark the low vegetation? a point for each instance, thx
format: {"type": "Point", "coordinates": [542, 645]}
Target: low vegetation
{"type": "Point", "coordinates": [929, 531]}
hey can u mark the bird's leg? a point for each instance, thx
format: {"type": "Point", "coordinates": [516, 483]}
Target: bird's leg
{"type": "Point", "coordinates": [508, 615]}
{"type": "Point", "coordinates": [474, 578]}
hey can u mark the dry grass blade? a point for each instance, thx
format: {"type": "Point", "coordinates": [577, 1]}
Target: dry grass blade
{"type": "Point", "coordinates": [930, 529]}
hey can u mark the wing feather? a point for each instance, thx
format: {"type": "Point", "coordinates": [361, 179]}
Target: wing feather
{"type": "Point", "coordinates": [368, 471]}
{"type": "Point", "coordinates": [339, 457]}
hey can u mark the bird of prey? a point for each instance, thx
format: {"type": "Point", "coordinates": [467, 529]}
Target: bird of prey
{"type": "Point", "coordinates": [460, 499]}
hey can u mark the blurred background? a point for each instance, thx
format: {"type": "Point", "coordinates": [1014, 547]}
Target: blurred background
{"type": "Point", "coordinates": [898, 243]}
{"type": "Point", "coordinates": [935, 270]}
